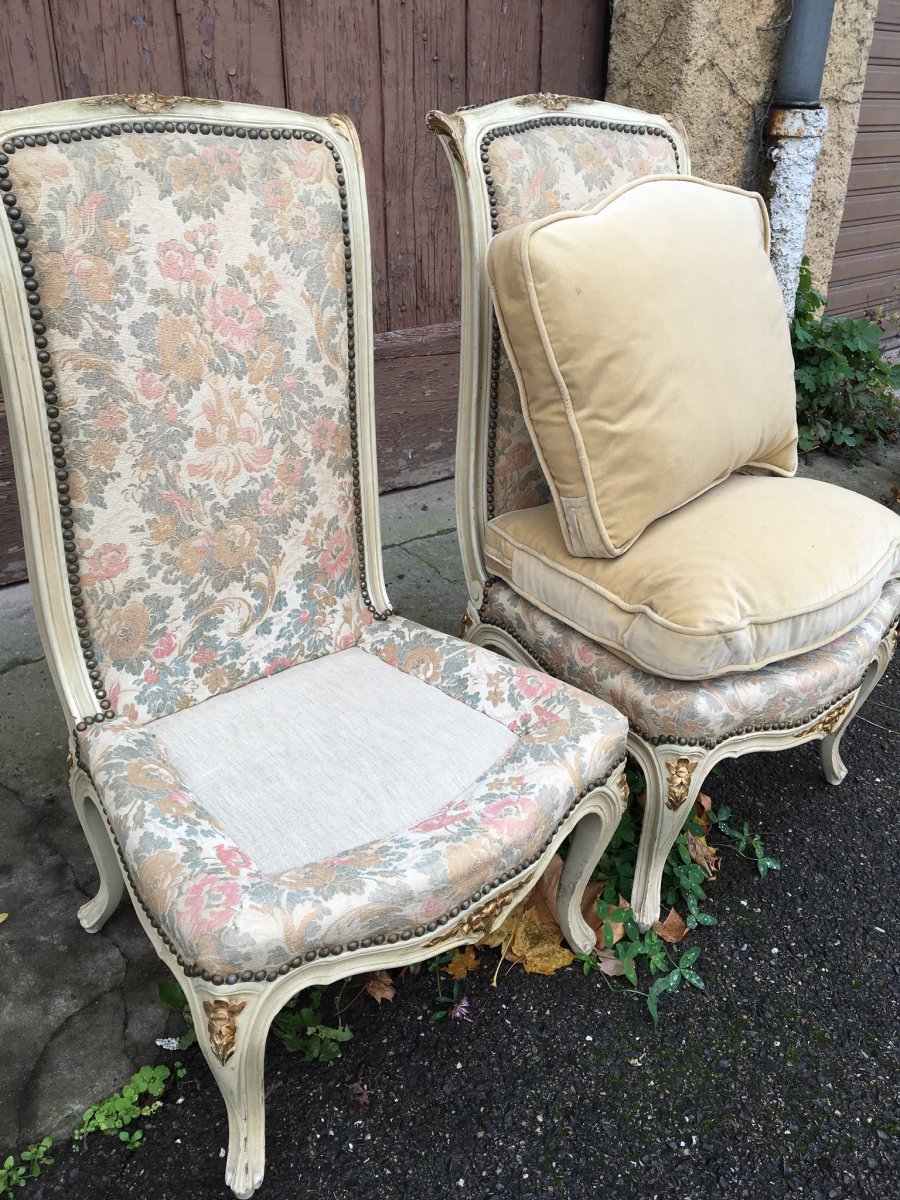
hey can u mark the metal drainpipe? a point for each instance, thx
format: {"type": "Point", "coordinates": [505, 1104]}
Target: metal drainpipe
{"type": "Point", "coordinates": [795, 129]}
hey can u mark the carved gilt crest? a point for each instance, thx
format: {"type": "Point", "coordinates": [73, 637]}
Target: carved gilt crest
{"type": "Point", "coordinates": [680, 771]}
{"type": "Point", "coordinates": [551, 101]}
{"type": "Point", "coordinates": [146, 102]}
{"type": "Point", "coordinates": [221, 1025]}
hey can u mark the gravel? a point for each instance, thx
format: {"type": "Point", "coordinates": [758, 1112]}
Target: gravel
{"type": "Point", "coordinates": [779, 1080]}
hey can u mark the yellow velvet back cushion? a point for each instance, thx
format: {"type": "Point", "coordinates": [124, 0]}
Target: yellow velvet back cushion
{"type": "Point", "coordinates": [652, 352]}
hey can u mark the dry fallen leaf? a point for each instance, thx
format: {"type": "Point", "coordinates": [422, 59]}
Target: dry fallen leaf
{"type": "Point", "coordinates": [380, 986]}
{"type": "Point", "coordinates": [3, 917]}
{"type": "Point", "coordinates": [704, 855]}
{"type": "Point", "coordinates": [530, 934]}
{"type": "Point", "coordinates": [609, 963]}
{"type": "Point", "coordinates": [462, 962]}
{"type": "Point", "coordinates": [672, 929]}
{"type": "Point", "coordinates": [702, 805]}
{"type": "Point", "coordinates": [358, 1095]}
{"type": "Point", "coordinates": [538, 947]}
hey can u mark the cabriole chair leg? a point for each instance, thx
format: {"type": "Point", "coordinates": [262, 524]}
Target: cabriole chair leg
{"type": "Point", "coordinates": [589, 840]}
{"type": "Point", "coordinates": [95, 913]}
{"type": "Point", "coordinates": [673, 776]}
{"type": "Point", "coordinates": [829, 748]}
{"type": "Point", "coordinates": [232, 1026]}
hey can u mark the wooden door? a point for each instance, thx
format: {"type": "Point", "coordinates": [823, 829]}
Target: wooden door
{"type": "Point", "coordinates": [386, 63]}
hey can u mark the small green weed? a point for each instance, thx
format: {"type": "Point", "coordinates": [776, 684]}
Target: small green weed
{"type": "Point", "coordinates": [31, 1162]}
{"type": "Point", "coordinates": [742, 838]}
{"type": "Point", "coordinates": [301, 1029]}
{"type": "Point", "coordinates": [139, 1098]}
{"type": "Point", "coordinates": [450, 1004]}
{"type": "Point", "coordinates": [623, 948]}
{"type": "Point", "coordinates": [845, 385]}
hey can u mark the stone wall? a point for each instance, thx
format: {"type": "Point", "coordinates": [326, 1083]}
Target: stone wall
{"type": "Point", "coordinates": [714, 63]}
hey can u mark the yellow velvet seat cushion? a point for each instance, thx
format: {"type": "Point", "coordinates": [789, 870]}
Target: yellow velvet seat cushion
{"type": "Point", "coordinates": [756, 570]}
{"type": "Point", "coordinates": [652, 352]}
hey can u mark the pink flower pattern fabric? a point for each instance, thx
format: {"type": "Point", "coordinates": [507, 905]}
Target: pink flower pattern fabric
{"type": "Point", "coordinates": [223, 915]}
{"type": "Point", "coordinates": [779, 694]}
{"type": "Point", "coordinates": [537, 172]}
{"type": "Point", "coordinates": [194, 298]}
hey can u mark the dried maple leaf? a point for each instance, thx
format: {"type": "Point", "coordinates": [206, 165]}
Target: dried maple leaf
{"type": "Point", "coordinates": [673, 928]}
{"type": "Point", "coordinates": [462, 962]}
{"type": "Point", "coordinates": [358, 1095]}
{"type": "Point", "coordinates": [538, 947]}
{"type": "Point", "coordinates": [380, 986]}
{"type": "Point", "coordinates": [704, 855]}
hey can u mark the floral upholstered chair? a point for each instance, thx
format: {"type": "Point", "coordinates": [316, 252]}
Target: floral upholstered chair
{"type": "Point", "coordinates": [291, 784]}
{"type": "Point", "coordinates": [544, 587]}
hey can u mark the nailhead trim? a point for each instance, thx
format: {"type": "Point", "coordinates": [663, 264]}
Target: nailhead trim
{"type": "Point", "coordinates": [192, 970]}
{"type": "Point", "coordinates": [30, 283]}
{"type": "Point", "coordinates": [668, 739]}
{"type": "Point", "coordinates": [496, 341]}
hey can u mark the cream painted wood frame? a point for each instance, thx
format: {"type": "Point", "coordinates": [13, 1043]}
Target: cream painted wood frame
{"type": "Point", "coordinates": [675, 768]}
{"type": "Point", "coordinates": [232, 1021]}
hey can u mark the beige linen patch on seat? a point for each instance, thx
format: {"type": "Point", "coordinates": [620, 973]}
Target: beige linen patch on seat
{"type": "Point", "coordinates": [812, 560]}
{"type": "Point", "coordinates": [651, 348]}
{"type": "Point", "coordinates": [309, 762]}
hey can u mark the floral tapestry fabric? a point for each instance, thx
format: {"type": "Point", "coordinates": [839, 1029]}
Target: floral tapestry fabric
{"type": "Point", "coordinates": [224, 915]}
{"type": "Point", "coordinates": [779, 694]}
{"type": "Point", "coordinates": [537, 172]}
{"type": "Point", "coordinates": [193, 291]}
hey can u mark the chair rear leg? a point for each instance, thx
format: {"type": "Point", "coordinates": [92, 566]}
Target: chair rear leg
{"type": "Point", "coordinates": [591, 837]}
{"type": "Point", "coordinates": [830, 746]}
{"type": "Point", "coordinates": [674, 776]}
{"type": "Point", "coordinates": [95, 913]}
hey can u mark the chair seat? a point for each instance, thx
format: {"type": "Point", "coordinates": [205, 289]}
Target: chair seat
{"type": "Point", "coordinates": [783, 695]}
{"type": "Point", "coordinates": [358, 798]}
{"type": "Point", "coordinates": [757, 570]}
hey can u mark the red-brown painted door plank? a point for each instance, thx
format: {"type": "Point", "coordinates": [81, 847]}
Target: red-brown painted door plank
{"type": "Point", "coordinates": [107, 46]}
{"type": "Point", "coordinates": [423, 64]}
{"type": "Point", "coordinates": [573, 37]}
{"type": "Point", "coordinates": [332, 62]}
{"type": "Point", "coordinates": [28, 72]}
{"type": "Point", "coordinates": [233, 50]}
{"type": "Point", "coordinates": [504, 48]}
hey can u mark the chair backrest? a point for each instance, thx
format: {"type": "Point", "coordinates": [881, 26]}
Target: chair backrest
{"type": "Point", "coordinates": [186, 350]}
{"type": "Point", "coordinates": [514, 161]}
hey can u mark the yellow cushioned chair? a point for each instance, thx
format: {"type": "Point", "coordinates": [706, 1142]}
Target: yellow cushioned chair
{"type": "Point", "coordinates": [626, 511]}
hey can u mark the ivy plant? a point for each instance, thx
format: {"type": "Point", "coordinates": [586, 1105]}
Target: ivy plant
{"type": "Point", "coordinates": [846, 388]}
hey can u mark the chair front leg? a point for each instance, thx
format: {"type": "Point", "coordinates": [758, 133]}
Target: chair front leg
{"type": "Point", "coordinates": [96, 912]}
{"type": "Point", "coordinates": [673, 776]}
{"type": "Point", "coordinates": [591, 837]}
{"type": "Point", "coordinates": [829, 748]}
{"type": "Point", "coordinates": [232, 1025]}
